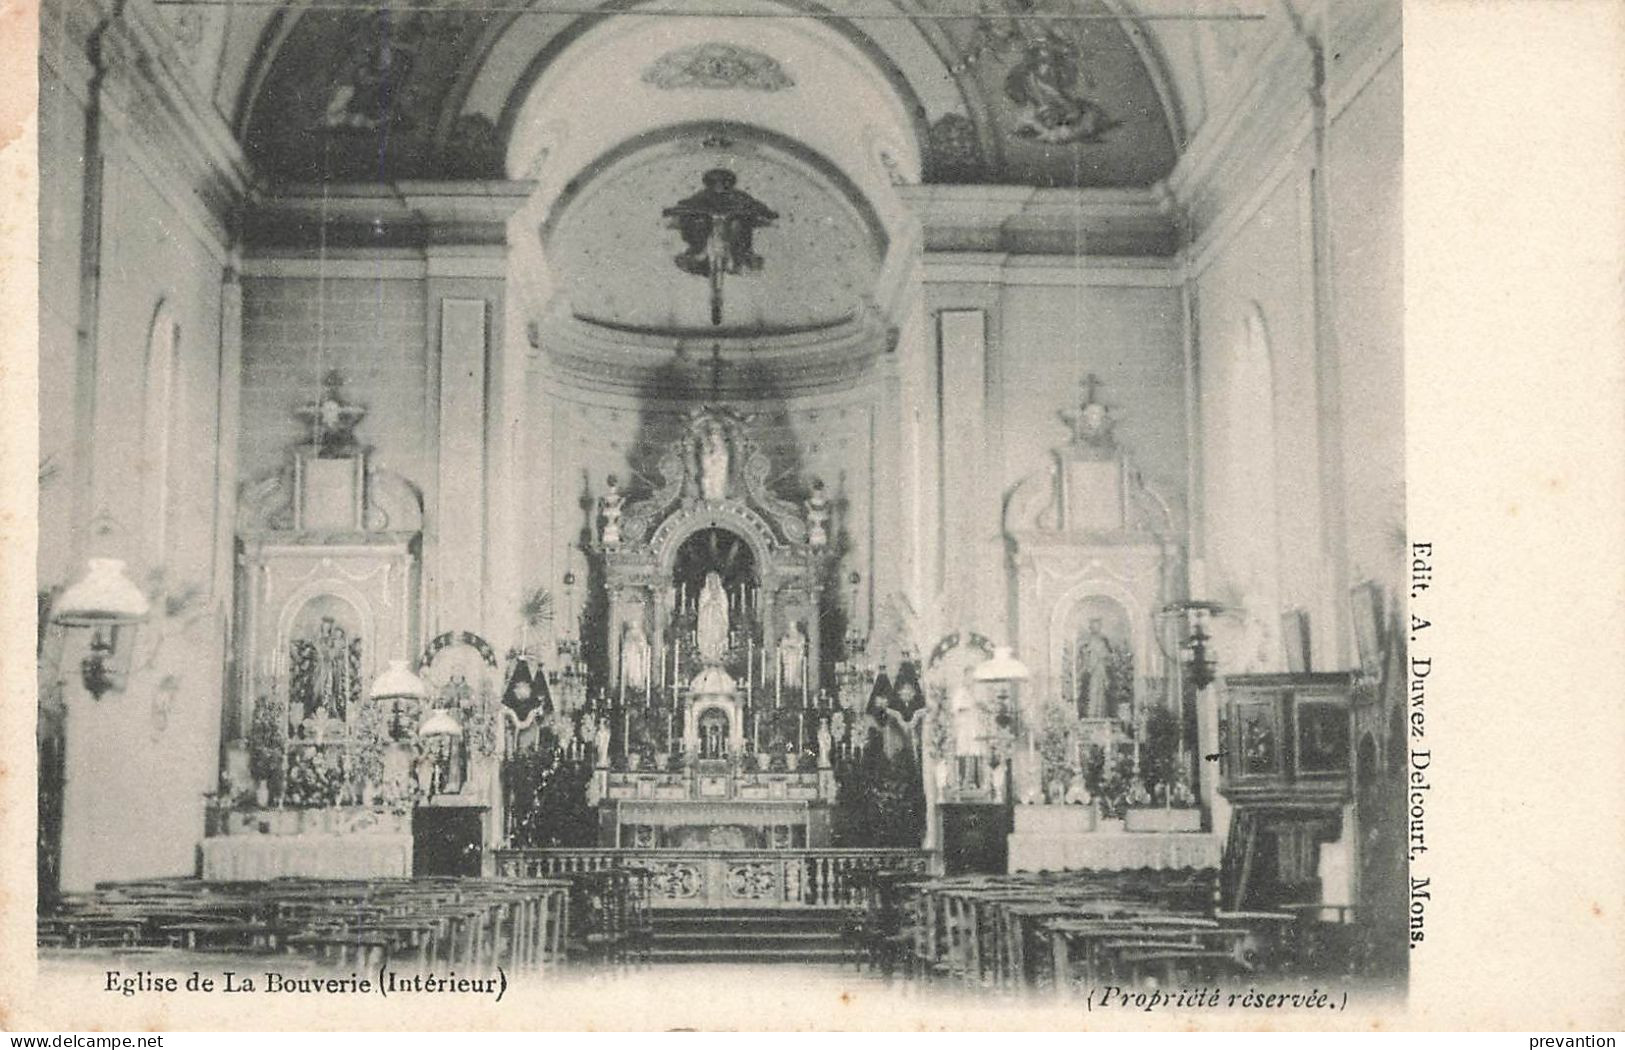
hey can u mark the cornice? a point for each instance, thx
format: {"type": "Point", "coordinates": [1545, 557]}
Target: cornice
{"type": "Point", "coordinates": [1219, 179]}
{"type": "Point", "coordinates": [118, 58]}
{"type": "Point", "coordinates": [148, 95]}
{"type": "Point", "coordinates": [1282, 78]}
{"type": "Point", "coordinates": [407, 214]}
{"type": "Point", "coordinates": [595, 358]}
{"type": "Point", "coordinates": [1023, 220]}
{"type": "Point", "coordinates": [999, 268]}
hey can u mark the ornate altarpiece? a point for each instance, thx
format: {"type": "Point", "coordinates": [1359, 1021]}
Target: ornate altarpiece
{"type": "Point", "coordinates": [328, 545]}
{"type": "Point", "coordinates": [1095, 556]}
{"type": "Point", "coordinates": [715, 477]}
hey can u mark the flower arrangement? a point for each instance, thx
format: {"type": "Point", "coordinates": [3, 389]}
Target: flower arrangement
{"type": "Point", "coordinates": [1160, 756]}
{"type": "Point", "coordinates": [1056, 749]}
{"type": "Point", "coordinates": [1109, 778]}
{"type": "Point", "coordinates": [939, 724]}
{"type": "Point", "coordinates": [317, 777]}
{"type": "Point", "coordinates": [370, 737]}
{"type": "Point", "coordinates": [267, 740]}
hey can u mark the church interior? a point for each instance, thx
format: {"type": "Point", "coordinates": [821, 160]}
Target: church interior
{"type": "Point", "coordinates": [919, 480]}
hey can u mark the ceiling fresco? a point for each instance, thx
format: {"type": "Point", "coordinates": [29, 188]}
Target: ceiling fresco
{"type": "Point", "coordinates": [385, 95]}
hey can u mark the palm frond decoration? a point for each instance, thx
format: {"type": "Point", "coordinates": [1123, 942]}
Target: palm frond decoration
{"type": "Point", "coordinates": [537, 608]}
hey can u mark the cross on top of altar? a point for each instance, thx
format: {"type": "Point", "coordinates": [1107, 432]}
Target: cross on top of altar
{"type": "Point", "coordinates": [1091, 421]}
{"type": "Point", "coordinates": [331, 419]}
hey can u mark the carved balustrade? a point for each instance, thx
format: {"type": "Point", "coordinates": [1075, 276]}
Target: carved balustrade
{"type": "Point", "coordinates": [729, 878]}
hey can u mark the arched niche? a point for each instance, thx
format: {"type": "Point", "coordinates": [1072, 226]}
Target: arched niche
{"type": "Point", "coordinates": [326, 644]}
{"type": "Point", "coordinates": [1097, 649]}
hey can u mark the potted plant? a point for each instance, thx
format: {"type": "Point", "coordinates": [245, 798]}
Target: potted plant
{"type": "Point", "coordinates": [1153, 808]}
{"type": "Point", "coordinates": [1042, 780]}
{"type": "Point", "coordinates": [1056, 751]}
{"type": "Point", "coordinates": [267, 741]}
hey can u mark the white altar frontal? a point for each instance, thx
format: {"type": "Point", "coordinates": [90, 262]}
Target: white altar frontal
{"type": "Point", "coordinates": [1063, 838]}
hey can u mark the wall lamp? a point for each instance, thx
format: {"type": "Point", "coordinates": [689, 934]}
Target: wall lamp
{"type": "Point", "coordinates": [107, 603]}
{"type": "Point", "coordinates": [1198, 658]}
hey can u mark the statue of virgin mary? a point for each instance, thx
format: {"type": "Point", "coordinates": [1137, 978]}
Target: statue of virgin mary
{"type": "Point", "coordinates": [713, 462]}
{"type": "Point", "coordinates": [713, 620]}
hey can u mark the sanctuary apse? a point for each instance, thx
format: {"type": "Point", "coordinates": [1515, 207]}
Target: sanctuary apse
{"type": "Point", "coordinates": [757, 446]}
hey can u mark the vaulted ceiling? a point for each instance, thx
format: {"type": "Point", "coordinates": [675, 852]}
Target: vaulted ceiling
{"type": "Point", "coordinates": [1085, 93]}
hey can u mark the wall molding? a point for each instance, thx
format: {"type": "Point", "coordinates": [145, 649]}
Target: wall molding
{"type": "Point", "coordinates": [1006, 270]}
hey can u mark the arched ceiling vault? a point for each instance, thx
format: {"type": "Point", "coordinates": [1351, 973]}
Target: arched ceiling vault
{"type": "Point", "coordinates": [1105, 94]}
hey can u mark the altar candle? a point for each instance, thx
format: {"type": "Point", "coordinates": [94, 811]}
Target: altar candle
{"type": "Point", "coordinates": [750, 658]}
{"type": "Point", "coordinates": [626, 729]}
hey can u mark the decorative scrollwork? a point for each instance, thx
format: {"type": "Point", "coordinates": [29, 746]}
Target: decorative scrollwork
{"type": "Point", "coordinates": [676, 880]}
{"type": "Point", "coordinates": [641, 516]}
{"type": "Point", "coordinates": [747, 881]}
{"type": "Point", "coordinates": [717, 66]}
{"type": "Point", "coordinates": [786, 515]}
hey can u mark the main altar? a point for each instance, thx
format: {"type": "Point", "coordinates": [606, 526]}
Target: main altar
{"type": "Point", "coordinates": [718, 702]}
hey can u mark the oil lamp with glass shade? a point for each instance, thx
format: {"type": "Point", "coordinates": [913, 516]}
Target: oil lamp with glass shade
{"type": "Point", "coordinates": [1004, 673]}
{"type": "Point", "coordinates": [395, 684]}
{"type": "Point", "coordinates": [442, 737]}
{"type": "Point", "coordinates": [109, 604]}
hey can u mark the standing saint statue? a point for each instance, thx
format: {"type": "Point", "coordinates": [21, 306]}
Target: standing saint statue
{"type": "Point", "coordinates": [635, 657]}
{"type": "Point", "coordinates": [1094, 659]}
{"type": "Point", "coordinates": [792, 654]}
{"type": "Point", "coordinates": [610, 505]}
{"type": "Point", "coordinates": [713, 462]}
{"type": "Point", "coordinates": [817, 516]}
{"type": "Point", "coordinates": [712, 630]}
{"type": "Point", "coordinates": [334, 675]}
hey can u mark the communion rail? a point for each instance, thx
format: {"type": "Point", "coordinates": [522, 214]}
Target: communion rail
{"type": "Point", "coordinates": [729, 878]}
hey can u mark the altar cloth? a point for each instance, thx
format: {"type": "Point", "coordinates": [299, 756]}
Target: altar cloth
{"type": "Point", "coordinates": [1114, 851]}
{"type": "Point", "coordinates": [254, 858]}
{"type": "Point", "coordinates": [675, 813]}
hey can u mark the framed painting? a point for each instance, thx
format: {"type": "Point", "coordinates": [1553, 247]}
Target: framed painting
{"type": "Point", "coordinates": [1366, 605]}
